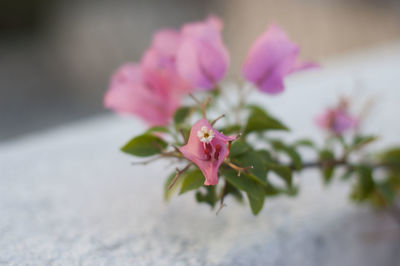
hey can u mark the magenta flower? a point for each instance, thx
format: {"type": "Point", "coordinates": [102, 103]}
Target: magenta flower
{"type": "Point", "coordinates": [207, 148]}
{"type": "Point", "coordinates": [336, 120]}
{"type": "Point", "coordinates": [202, 58]}
{"type": "Point", "coordinates": [155, 102]}
{"type": "Point", "coordinates": [272, 57]}
{"type": "Point", "coordinates": [160, 61]}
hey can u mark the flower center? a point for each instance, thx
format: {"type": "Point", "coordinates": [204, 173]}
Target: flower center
{"type": "Point", "coordinates": [205, 135]}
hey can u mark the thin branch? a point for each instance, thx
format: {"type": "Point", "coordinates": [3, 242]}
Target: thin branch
{"type": "Point", "coordinates": [202, 105]}
{"type": "Point", "coordinates": [178, 174]}
{"type": "Point", "coordinates": [236, 167]}
{"type": "Point", "coordinates": [216, 119]}
{"type": "Point", "coordinates": [221, 203]}
{"type": "Point", "coordinates": [148, 161]}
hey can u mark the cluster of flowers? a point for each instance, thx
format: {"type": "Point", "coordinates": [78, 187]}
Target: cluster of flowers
{"type": "Point", "coordinates": [193, 59]}
{"type": "Point", "coordinates": [196, 59]}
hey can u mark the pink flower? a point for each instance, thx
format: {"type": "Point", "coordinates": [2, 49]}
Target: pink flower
{"type": "Point", "coordinates": [155, 102]}
{"type": "Point", "coordinates": [160, 61]}
{"type": "Point", "coordinates": [202, 58]}
{"type": "Point", "coordinates": [207, 148]}
{"type": "Point", "coordinates": [336, 120]}
{"type": "Point", "coordinates": [271, 57]}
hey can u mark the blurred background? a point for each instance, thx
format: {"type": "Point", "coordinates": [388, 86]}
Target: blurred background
{"type": "Point", "coordinates": [56, 56]}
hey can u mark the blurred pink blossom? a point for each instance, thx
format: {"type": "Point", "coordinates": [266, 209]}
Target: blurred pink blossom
{"type": "Point", "coordinates": [207, 148]}
{"type": "Point", "coordinates": [272, 57]}
{"type": "Point", "coordinates": [160, 60]}
{"type": "Point", "coordinates": [129, 92]}
{"type": "Point", "coordinates": [336, 120]}
{"type": "Point", "coordinates": [202, 58]}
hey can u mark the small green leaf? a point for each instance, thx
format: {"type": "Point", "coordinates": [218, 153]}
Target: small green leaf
{"type": "Point", "coordinates": [168, 192]}
{"type": "Point", "coordinates": [238, 147]}
{"type": "Point", "coordinates": [365, 185]}
{"type": "Point", "coordinates": [231, 190]}
{"type": "Point", "coordinates": [289, 151]}
{"type": "Point", "coordinates": [361, 141]}
{"type": "Point", "coordinates": [144, 145]}
{"type": "Point", "coordinates": [391, 156]}
{"type": "Point", "coordinates": [191, 181]}
{"type": "Point", "coordinates": [282, 171]}
{"type": "Point", "coordinates": [347, 174]}
{"type": "Point", "coordinates": [255, 192]}
{"type": "Point", "coordinates": [232, 129]}
{"type": "Point", "coordinates": [260, 121]}
{"type": "Point", "coordinates": [326, 156]}
{"type": "Point", "coordinates": [159, 129]}
{"type": "Point", "coordinates": [304, 143]}
{"type": "Point", "coordinates": [210, 197]}
{"type": "Point", "coordinates": [256, 161]}
{"type": "Point", "coordinates": [181, 114]}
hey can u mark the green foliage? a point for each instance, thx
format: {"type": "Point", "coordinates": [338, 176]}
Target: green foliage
{"type": "Point", "coordinates": [144, 145]}
{"type": "Point", "coordinates": [326, 156]}
{"type": "Point", "coordinates": [391, 157]}
{"type": "Point", "coordinates": [282, 171]}
{"type": "Point", "coordinates": [238, 148]}
{"type": "Point", "coordinates": [361, 141]}
{"type": "Point", "coordinates": [169, 192]}
{"type": "Point", "coordinates": [290, 151]}
{"type": "Point", "coordinates": [255, 192]}
{"type": "Point", "coordinates": [365, 183]}
{"type": "Point", "coordinates": [231, 190]}
{"type": "Point", "coordinates": [158, 129]}
{"type": "Point", "coordinates": [256, 160]}
{"type": "Point", "coordinates": [191, 181]}
{"type": "Point", "coordinates": [232, 129]}
{"type": "Point", "coordinates": [209, 197]}
{"type": "Point", "coordinates": [181, 114]}
{"type": "Point", "coordinates": [260, 121]}
{"type": "Point", "coordinates": [304, 143]}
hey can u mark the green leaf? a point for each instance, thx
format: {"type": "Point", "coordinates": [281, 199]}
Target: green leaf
{"type": "Point", "coordinates": [210, 197]}
{"type": "Point", "coordinates": [326, 156]}
{"type": "Point", "coordinates": [168, 192]}
{"type": "Point", "coordinates": [144, 145]}
{"type": "Point", "coordinates": [191, 181]}
{"type": "Point", "coordinates": [231, 190]}
{"type": "Point", "coordinates": [391, 156]}
{"type": "Point", "coordinates": [238, 147]}
{"type": "Point", "coordinates": [159, 129]}
{"type": "Point", "coordinates": [181, 114]}
{"type": "Point", "coordinates": [282, 171]}
{"type": "Point", "coordinates": [361, 141]}
{"type": "Point", "coordinates": [365, 185]}
{"type": "Point", "coordinates": [304, 143]}
{"type": "Point", "coordinates": [232, 129]}
{"type": "Point", "coordinates": [257, 161]}
{"type": "Point", "coordinates": [254, 191]}
{"type": "Point", "coordinates": [347, 174]}
{"type": "Point", "coordinates": [260, 121]}
{"type": "Point", "coordinates": [289, 151]}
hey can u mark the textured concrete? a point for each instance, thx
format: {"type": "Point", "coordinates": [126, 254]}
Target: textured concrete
{"type": "Point", "coordinates": [69, 197]}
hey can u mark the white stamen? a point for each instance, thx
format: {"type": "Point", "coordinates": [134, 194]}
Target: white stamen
{"type": "Point", "coordinates": [205, 134]}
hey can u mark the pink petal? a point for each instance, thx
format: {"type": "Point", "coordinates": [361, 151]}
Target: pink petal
{"type": "Point", "coordinates": [166, 42]}
{"type": "Point", "coordinates": [194, 151]}
{"type": "Point", "coordinates": [271, 57]}
{"type": "Point", "coordinates": [202, 58]}
{"type": "Point", "coordinates": [129, 94]}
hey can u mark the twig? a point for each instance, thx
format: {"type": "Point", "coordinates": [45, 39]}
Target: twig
{"type": "Point", "coordinates": [148, 161]}
{"type": "Point", "coordinates": [178, 174]}
{"type": "Point", "coordinates": [202, 105]}
{"type": "Point", "coordinates": [216, 119]}
{"type": "Point", "coordinates": [236, 167]}
{"type": "Point", "coordinates": [222, 204]}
